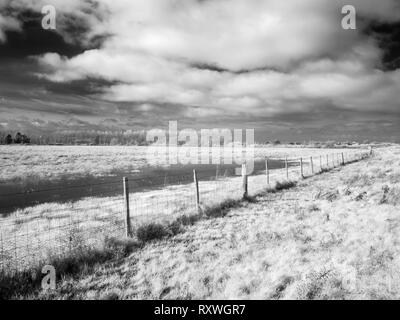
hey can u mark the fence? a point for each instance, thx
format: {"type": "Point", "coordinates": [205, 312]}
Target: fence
{"type": "Point", "coordinates": [33, 234]}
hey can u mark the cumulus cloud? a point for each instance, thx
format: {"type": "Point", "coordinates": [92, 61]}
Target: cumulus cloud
{"type": "Point", "coordinates": [264, 57]}
{"type": "Point", "coordinates": [8, 24]}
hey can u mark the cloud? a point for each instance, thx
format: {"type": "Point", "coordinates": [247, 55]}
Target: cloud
{"type": "Point", "coordinates": [8, 24]}
{"type": "Point", "coordinates": [231, 56]}
{"type": "Point", "coordinates": [78, 21]}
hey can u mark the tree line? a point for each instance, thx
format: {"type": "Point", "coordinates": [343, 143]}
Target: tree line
{"type": "Point", "coordinates": [18, 139]}
{"type": "Point", "coordinates": [77, 138]}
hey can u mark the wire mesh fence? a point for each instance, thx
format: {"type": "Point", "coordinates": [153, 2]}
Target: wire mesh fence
{"type": "Point", "coordinates": [56, 228]}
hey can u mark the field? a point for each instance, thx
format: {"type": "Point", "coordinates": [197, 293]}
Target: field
{"type": "Point", "coordinates": [298, 227]}
{"type": "Point", "coordinates": [333, 236]}
{"type": "Point", "coordinates": [38, 163]}
{"type": "Point", "coordinates": [32, 233]}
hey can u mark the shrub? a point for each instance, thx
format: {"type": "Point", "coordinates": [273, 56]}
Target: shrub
{"type": "Point", "coordinates": [284, 185]}
{"type": "Point", "coordinates": [120, 247]}
{"type": "Point", "coordinates": [187, 220]}
{"type": "Point", "coordinates": [151, 231]}
{"type": "Point", "coordinates": [221, 209]}
{"type": "Point", "coordinates": [174, 228]}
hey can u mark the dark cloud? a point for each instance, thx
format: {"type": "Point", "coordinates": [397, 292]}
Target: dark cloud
{"type": "Point", "coordinates": [388, 36]}
{"type": "Point", "coordinates": [34, 40]}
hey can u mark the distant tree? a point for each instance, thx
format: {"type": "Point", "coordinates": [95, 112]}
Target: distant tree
{"type": "Point", "coordinates": [9, 139]}
{"type": "Point", "coordinates": [97, 140]}
{"type": "Point", "coordinates": [25, 139]}
{"type": "Point", "coordinates": [18, 138]}
{"type": "Point", "coordinates": [277, 142]}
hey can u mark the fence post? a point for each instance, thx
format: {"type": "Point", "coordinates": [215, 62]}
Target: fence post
{"type": "Point", "coordinates": [342, 159]}
{"type": "Point", "coordinates": [327, 161]}
{"type": "Point", "coordinates": [301, 167]}
{"type": "Point", "coordinates": [320, 163]}
{"type": "Point", "coordinates": [196, 185]}
{"type": "Point", "coordinates": [267, 170]}
{"type": "Point", "coordinates": [244, 176]}
{"type": "Point", "coordinates": [312, 165]}
{"type": "Point", "coordinates": [287, 169]}
{"type": "Point", "coordinates": [127, 216]}
{"type": "Point", "coordinates": [2, 251]}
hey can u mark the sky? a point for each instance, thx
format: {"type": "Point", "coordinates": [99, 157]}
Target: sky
{"type": "Point", "coordinates": [284, 68]}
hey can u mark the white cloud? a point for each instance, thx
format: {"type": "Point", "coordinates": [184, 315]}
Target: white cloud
{"type": "Point", "coordinates": [297, 55]}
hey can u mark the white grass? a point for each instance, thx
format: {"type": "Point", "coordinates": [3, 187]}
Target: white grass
{"type": "Point", "coordinates": [32, 233]}
{"type": "Point", "coordinates": [302, 243]}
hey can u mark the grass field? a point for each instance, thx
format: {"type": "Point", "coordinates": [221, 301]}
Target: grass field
{"type": "Point", "coordinates": [333, 236]}
{"type": "Point", "coordinates": [319, 230]}
{"type": "Point", "coordinates": [55, 227]}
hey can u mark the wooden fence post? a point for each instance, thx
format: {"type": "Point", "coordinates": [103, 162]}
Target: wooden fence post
{"type": "Point", "coordinates": [267, 170]}
{"type": "Point", "coordinates": [127, 213]}
{"type": "Point", "coordinates": [312, 165]}
{"type": "Point", "coordinates": [327, 161]}
{"type": "Point", "coordinates": [342, 159]}
{"type": "Point", "coordinates": [196, 185]}
{"type": "Point", "coordinates": [287, 168]}
{"type": "Point", "coordinates": [301, 167]}
{"type": "Point", "coordinates": [320, 163]}
{"type": "Point", "coordinates": [244, 175]}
